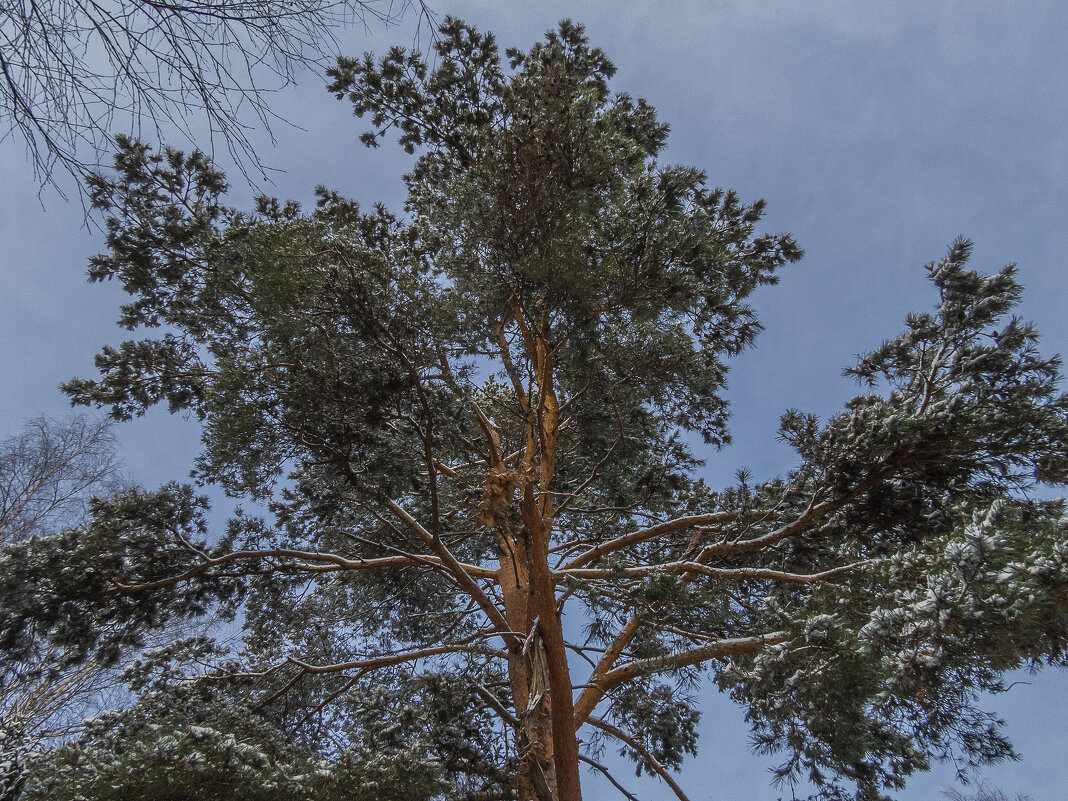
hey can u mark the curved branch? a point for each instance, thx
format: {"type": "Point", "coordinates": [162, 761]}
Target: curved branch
{"type": "Point", "coordinates": [331, 563]}
{"type": "Point", "coordinates": [612, 779]}
{"type": "Point", "coordinates": [644, 752]}
{"type": "Point", "coordinates": [651, 533]}
{"type": "Point", "coordinates": [813, 512]}
{"type": "Point", "coordinates": [387, 660]}
{"type": "Point", "coordinates": [601, 683]}
{"type": "Point", "coordinates": [463, 577]}
{"type": "Point", "coordinates": [734, 574]}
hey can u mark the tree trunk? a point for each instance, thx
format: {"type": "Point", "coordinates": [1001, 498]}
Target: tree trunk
{"type": "Point", "coordinates": [551, 634]}
{"type": "Point", "coordinates": [526, 677]}
{"type": "Point", "coordinates": [541, 680]}
{"type": "Point", "coordinates": [546, 739]}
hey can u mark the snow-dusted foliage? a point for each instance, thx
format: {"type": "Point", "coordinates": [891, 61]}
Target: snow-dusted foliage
{"type": "Point", "coordinates": [188, 739]}
{"type": "Point", "coordinates": [48, 473]}
{"type": "Point", "coordinates": [959, 576]}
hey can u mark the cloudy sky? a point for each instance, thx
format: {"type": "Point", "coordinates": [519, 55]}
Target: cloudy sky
{"type": "Point", "coordinates": [877, 136]}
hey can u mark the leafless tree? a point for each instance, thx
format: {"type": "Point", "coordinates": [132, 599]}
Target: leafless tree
{"type": "Point", "coordinates": [48, 471]}
{"type": "Point", "coordinates": [71, 71]}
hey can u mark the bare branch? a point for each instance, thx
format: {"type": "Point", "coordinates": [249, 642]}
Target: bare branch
{"type": "Point", "coordinates": [640, 749]}
{"type": "Point", "coordinates": [332, 563]}
{"type": "Point", "coordinates": [626, 793]}
{"type": "Point", "coordinates": [603, 682]}
{"type": "Point", "coordinates": [388, 660]}
{"type": "Point", "coordinates": [730, 574]}
{"type": "Point", "coordinates": [72, 71]}
{"type": "Point", "coordinates": [459, 572]}
{"type": "Point", "coordinates": [647, 534]}
{"type": "Point", "coordinates": [48, 472]}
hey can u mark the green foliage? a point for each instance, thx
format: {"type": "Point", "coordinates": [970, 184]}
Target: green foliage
{"type": "Point", "coordinates": [667, 724]}
{"type": "Point", "coordinates": [187, 740]}
{"type": "Point", "coordinates": [48, 473]}
{"type": "Point", "coordinates": [68, 588]}
{"type": "Point", "coordinates": [887, 677]}
{"type": "Point", "coordinates": [967, 579]}
{"type": "Point", "coordinates": [985, 793]}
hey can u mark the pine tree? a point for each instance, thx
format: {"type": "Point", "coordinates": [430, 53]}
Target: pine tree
{"type": "Point", "coordinates": [473, 427]}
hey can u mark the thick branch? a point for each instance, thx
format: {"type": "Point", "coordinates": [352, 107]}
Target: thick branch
{"type": "Point", "coordinates": [388, 660]}
{"type": "Point", "coordinates": [330, 563]}
{"type": "Point", "coordinates": [733, 574]}
{"type": "Point", "coordinates": [600, 684]}
{"type": "Point", "coordinates": [735, 646]}
{"type": "Point", "coordinates": [590, 695]}
{"type": "Point", "coordinates": [565, 748]}
{"type": "Point", "coordinates": [651, 533]}
{"type": "Point", "coordinates": [463, 577]}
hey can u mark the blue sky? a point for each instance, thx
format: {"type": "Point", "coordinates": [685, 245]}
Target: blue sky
{"type": "Point", "coordinates": [877, 132]}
